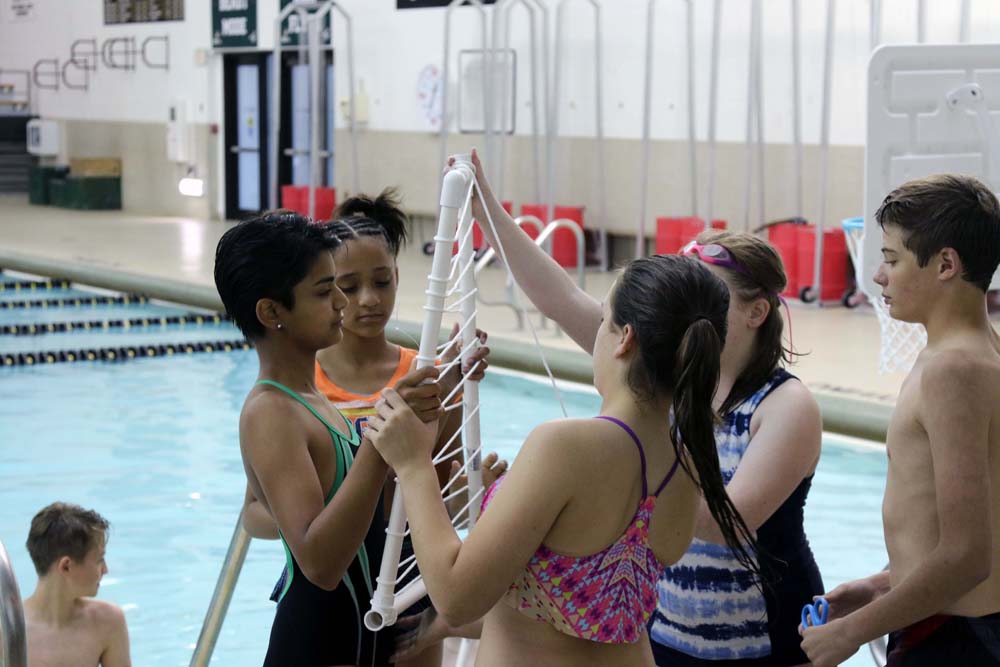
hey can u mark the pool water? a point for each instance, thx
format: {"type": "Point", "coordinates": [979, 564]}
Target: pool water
{"type": "Point", "coordinates": [152, 445]}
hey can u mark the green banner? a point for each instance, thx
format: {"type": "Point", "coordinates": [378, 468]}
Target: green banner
{"type": "Point", "coordinates": [292, 28]}
{"type": "Point", "coordinates": [234, 23]}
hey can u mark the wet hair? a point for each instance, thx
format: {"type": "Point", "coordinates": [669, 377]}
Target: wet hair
{"type": "Point", "coordinates": [764, 279]}
{"type": "Point", "coordinates": [678, 309]}
{"type": "Point", "coordinates": [948, 211]}
{"type": "Point", "coordinates": [382, 217]}
{"type": "Point", "coordinates": [264, 258]}
{"type": "Point", "coordinates": [63, 529]}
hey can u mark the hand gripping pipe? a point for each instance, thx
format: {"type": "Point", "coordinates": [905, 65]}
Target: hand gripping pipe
{"type": "Point", "coordinates": [385, 606]}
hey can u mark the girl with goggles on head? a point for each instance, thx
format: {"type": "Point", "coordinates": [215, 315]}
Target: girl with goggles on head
{"type": "Point", "coordinates": [768, 442]}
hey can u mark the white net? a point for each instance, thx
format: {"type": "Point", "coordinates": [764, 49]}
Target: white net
{"type": "Point", "coordinates": [901, 342]}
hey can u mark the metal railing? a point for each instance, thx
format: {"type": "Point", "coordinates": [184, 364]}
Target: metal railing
{"type": "Point", "coordinates": [217, 608]}
{"type": "Point", "coordinates": [13, 644]}
{"type": "Point", "coordinates": [544, 234]}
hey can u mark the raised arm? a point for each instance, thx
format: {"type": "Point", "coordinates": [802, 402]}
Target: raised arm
{"type": "Point", "coordinates": [784, 448]}
{"type": "Point", "coordinates": [466, 579]}
{"type": "Point", "coordinates": [546, 283]}
{"type": "Point", "coordinates": [323, 540]}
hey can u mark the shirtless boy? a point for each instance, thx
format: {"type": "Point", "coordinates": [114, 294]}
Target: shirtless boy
{"type": "Point", "coordinates": [66, 626]}
{"type": "Point", "coordinates": [940, 598]}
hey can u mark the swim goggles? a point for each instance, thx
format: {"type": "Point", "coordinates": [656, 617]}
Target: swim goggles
{"type": "Point", "coordinates": [715, 253]}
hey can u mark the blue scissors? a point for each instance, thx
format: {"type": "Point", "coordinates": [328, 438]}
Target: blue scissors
{"type": "Point", "coordinates": [816, 613]}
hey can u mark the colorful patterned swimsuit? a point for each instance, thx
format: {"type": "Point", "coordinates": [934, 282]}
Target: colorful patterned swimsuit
{"type": "Point", "coordinates": [606, 597]}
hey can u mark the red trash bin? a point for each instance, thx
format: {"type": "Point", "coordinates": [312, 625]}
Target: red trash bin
{"type": "Point", "coordinates": [563, 241]}
{"type": "Point", "coordinates": [672, 234]}
{"type": "Point", "coordinates": [834, 278]}
{"type": "Point", "coordinates": [785, 238]}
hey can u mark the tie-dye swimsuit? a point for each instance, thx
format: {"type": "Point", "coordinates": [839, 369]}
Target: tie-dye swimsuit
{"type": "Point", "coordinates": [606, 597]}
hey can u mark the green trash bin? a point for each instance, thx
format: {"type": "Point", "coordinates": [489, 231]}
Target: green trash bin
{"type": "Point", "coordinates": [39, 179]}
{"type": "Point", "coordinates": [93, 192]}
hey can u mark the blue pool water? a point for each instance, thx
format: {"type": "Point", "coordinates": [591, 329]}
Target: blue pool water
{"type": "Point", "coordinates": [152, 445]}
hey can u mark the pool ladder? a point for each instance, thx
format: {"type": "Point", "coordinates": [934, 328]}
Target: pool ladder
{"type": "Point", "coordinates": [544, 233]}
{"type": "Point", "coordinates": [13, 644]}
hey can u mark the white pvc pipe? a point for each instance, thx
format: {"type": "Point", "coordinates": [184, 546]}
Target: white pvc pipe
{"type": "Point", "coordinates": [470, 390]}
{"type": "Point", "coordinates": [454, 191]}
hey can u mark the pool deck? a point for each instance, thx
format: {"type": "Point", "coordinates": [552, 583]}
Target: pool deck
{"type": "Point", "coordinates": [172, 258]}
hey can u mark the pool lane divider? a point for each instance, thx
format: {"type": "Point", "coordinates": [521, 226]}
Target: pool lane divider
{"type": "Point", "coordinates": [37, 328]}
{"type": "Point", "coordinates": [33, 285]}
{"type": "Point", "coordinates": [122, 353]}
{"type": "Point", "coordinates": [75, 301]}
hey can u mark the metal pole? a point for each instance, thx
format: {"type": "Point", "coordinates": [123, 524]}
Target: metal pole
{"type": "Point", "coordinates": [501, 14]}
{"type": "Point", "coordinates": [713, 97]}
{"type": "Point", "coordinates": [13, 643]}
{"type": "Point", "coordinates": [239, 544]}
{"type": "Point", "coordinates": [831, 17]}
{"type": "Point", "coordinates": [640, 236]}
{"type": "Point", "coordinates": [315, 95]}
{"type": "Point", "coordinates": [759, 111]}
{"type": "Point", "coordinates": [797, 109]}
{"type": "Point", "coordinates": [353, 125]}
{"type": "Point", "coordinates": [751, 97]}
{"type": "Point", "coordinates": [921, 21]}
{"type": "Point", "coordinates": [875, 24]}
{"type": "Point", "coordinates": [274, 122]}
{"type": "Point", "coordinates": [692, 135]}
{"type": "Point", "coordinates": [598, 95]}
{"type": "Point", "coordinates": [445, 67]}
{"type": "Point", "coordinates": [965, 22]}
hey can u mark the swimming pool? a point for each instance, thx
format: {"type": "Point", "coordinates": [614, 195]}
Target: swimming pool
{"type": "Point", "coordinates": [152, 445]}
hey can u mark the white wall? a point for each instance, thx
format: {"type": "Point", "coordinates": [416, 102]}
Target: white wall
{"type": "Point", "coordinates": [393, 46]}
{"type": "Point", "coordinates": [141, 95]}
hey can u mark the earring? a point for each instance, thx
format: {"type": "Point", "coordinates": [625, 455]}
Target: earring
{"type": "Point", "coordinates": [280, 326]}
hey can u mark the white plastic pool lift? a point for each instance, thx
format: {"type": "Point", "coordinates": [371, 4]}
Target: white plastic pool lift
{"type": "Point", "coordinates": [312, 16]}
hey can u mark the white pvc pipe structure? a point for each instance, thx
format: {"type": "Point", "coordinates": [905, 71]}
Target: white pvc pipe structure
{"type": "Point", "coordinates": [386, 605]}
